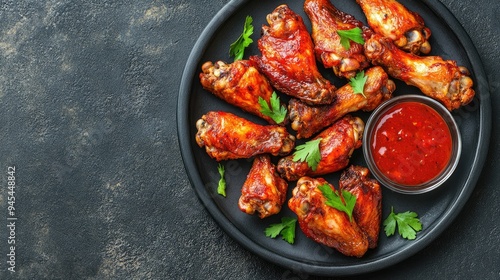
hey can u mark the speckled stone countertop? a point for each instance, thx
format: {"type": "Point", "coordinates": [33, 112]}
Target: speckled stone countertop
{"type": "Point", "coordinates": [88, 93]}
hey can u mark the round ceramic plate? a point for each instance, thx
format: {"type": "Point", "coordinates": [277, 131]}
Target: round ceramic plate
{"type": "Point", "coordinates": [436, 209]}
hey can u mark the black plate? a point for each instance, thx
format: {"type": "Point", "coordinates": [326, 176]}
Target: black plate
{"type": "Point", "coordinates": [436, 209]}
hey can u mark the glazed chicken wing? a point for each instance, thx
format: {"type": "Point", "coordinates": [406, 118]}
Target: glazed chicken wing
{"type": "Point", "coordinates": [393, 20]}
{"type": "Point", "coordinates": [367, 211]}
{"type": "Point", "coordinates": [440, 79]}
{"type": "Point", "coordinates": [308, 120]}
{"type": "Point", "coordinates": [227, 136]}
{"type": "Point", "coordinates": [325, 224]}
{"type": "Point", "coordinates": [288, 58]}
{"type": "Point", "coordinates": [264, 191]}
{"type": "Point", "coordinates": [238, 83]}
{"type": "Point", "coordinates": [336, 146]}
{"type": "Point", "coordinates": [326, 20]}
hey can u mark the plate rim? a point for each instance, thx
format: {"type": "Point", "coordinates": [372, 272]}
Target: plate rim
{"type": "Point", "coordinates": [412, 248]}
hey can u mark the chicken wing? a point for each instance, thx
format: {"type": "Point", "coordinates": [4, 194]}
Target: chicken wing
{"type": "Point", "coordinates": [326, 19]}
{"type": "Point", "coordinates": [393, 20]}
{"type": "Point", "coordinates": [288, 58]}
{"type": "Point", "coordinates": [323, 223]}
{"type": "Point", "coordinates": [440, 79]}
{"type": "Point", "coordinates": [238, 83]}
{"type": "Point", "coordinates": [336, 146]}
{"type": "Point", "coordinates": [227, 136]}
{"type": "Point", "coordinates": [367, 211]}
{"type": "Point", "coordinates": [264, 191]}
{"type": "Point", "coordinates": [308, 120]}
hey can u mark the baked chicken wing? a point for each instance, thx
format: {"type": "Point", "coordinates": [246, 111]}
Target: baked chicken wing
{"type": "Point", "coordinates": [308, 120]}
{"type": "Point", "coordinates": [326, 20]}
{"type": "Point", "coordinates": [367, 211]}
{"type": "Point", "coordinates": [393, 20]}
{"type": "Point", "coordinates": [227, 136]}
{"type": "Point", "coordinates": [238, 83]}
{"type": "Point", "coordinates": [264, 191]}
{"type": "Point", "coordinates": [325, 224]}
{"type": "Point", "coordinates": [440, 79]}
{"type": "Point", "coordinates": [288, 58]}
{"type": "Point", "coordinates": [336, 146]}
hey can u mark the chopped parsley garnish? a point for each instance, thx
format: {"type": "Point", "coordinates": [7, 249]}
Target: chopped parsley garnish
{"type": "Point", "coordinates": [408, 224]}
{"type": "Point", "coordinates": [358, 83]}
{"type": "Point", "coordinates": [237, 48]}
{"type": "Point", "coordinates": [333, 199]}
{"type": "Point", "coordinates": [221, 188]}
{"type": "Point", "coordinates": [355, 34]}
{"type": "Point", "coordinates": [308, 152]}
{"type": "Point", "coordinates": [286, 228]}
{"type": "Point", "coordinates": [277, 112]}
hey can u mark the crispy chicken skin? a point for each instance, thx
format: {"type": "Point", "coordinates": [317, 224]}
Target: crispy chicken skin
{"type": "Point", "coordinates": [264, 191]}
{"type": "Point", "coordinates": [227, 136]}
{"type": "Point", "coordinates": [440, 79]}
{"type": "Point", "coordinates": [326, 19]}
{"type": "Point", "coordinates": [239, 83]}
{"type": "Point", "coordinates": [288, 58]}
{"type": "Point", "coordinates": [325, 224]}
{"type": "Point", "coordinates": [308, 120]}
{"type": "Point", "coordinates": [337, 144]}
{"type": "Point", "coordinates": [393, 20]}
{"type": "Point", "coordinates": [367, 211]}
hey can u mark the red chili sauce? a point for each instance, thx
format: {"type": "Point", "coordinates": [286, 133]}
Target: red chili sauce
{"type": "Point", "coordinates": [411, 144]}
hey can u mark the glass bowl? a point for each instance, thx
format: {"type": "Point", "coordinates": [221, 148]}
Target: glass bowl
{"type": "Point", "coordinates": [411, 144]}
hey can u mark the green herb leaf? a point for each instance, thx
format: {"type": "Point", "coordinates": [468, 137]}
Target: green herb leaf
{"type": "Point", "coordinates": [355, 34]}
{"type": "Point", "coordinates": [237, 48]}
{"type": "Point", "coordinates": [277, 112]}
{"type": "Point", "coordinates": [308, 152]}
{"type": "Point", "coordinates": [358, 83]}
{"type": "Point", "coordinates": [408, 224]}
{"type": "Point", "coordinates": [345, 203]}
{"type": "Point", "coordinates": [221, 188]}
{"type": "Point", "coordinates": [286, 228]}
{"type": "Point", "coordinates": [390, 224]}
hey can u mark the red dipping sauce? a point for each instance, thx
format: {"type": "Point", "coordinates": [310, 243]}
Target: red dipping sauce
{"type": "Point", "coordinates": [411, 143]}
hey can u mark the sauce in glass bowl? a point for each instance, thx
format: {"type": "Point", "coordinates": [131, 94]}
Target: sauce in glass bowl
{"type": "Point", "coordinates": [411, 144]}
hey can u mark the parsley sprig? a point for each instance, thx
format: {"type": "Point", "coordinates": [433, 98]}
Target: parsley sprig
{"type": "Point", "coordinates": [221, 187]}
{"type": "Point", "coordinates": [355, 34]}
{"type": "Point", "coordinates": [286, 228]}
{"type": "Point", "coordinates": [333, 199]}
{"type": "Point", "coordinates": [276, 111]}
{"type": "Point", "coordinates": [358, 83]}
{"type": "Point", "coordinates": [237, 48]}
{"type": "Point", "coordinates": [308, 152]}
{"type": "Point", "coordinates": [407, 222]}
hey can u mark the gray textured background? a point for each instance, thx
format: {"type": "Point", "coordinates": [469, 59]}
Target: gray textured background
{"type": "Point", "coordinates": [88, 93]}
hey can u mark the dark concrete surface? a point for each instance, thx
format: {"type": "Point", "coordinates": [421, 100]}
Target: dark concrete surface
{"type": "Point", "coordinates": [88, 93]}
